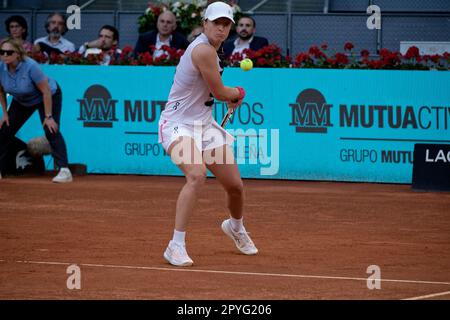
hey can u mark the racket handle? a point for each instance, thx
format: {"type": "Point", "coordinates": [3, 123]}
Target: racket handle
{"type": "Point", "coordinates": [226, 118]}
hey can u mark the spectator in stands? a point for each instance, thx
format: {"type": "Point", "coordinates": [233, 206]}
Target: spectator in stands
{"type": "Point", "coordinates": [108, 38]}
{"type": "Point", "coordinates": [17, 28]}
{"type": "Point", "coordinates": [246, 39]}
{"type": "Point", "coordinates": [55, 42]}
{"type": "Point", "coordinates": [31, 90]}
{"type": "Point", "coordinates": [164, 35]}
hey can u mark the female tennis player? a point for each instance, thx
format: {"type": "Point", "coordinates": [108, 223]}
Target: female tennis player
{"type": "Point", "coordinates": [195, 141]}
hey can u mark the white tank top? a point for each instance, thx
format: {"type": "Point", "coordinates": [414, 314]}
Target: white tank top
{"type": "Point", "coordinates": [189, 98]}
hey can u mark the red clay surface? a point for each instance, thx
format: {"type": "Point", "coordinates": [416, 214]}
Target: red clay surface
{"type": "Point", "coordinates": [115, 228]}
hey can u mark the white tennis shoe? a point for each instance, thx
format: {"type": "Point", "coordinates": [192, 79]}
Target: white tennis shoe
{"type": "Point", "coordinates": [176, 254]}
{"type": "Point", "coordinates": [63, 176]}
{"type": "Point", "coordinates": [241, 238]}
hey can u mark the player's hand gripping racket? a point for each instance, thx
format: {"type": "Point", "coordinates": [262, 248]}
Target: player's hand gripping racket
{"type": "Point", "coordinates": [230, 112]}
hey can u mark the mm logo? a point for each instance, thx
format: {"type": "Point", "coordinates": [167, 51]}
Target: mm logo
{"type": "Point", "coordinates": [311, 113]}
{"type": "Point", "coordinates": [97, 108]}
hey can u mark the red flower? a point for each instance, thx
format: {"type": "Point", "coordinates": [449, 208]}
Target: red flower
{"type": "Point", "coordinates": [302, 58]}
{"type": "Point", "coordinates": [56, 58]}
{"type": "Point", "coordinates": [435, 58]}
{"type": "Point", "coordinates": [384, 52]}
{"type": "Point", "coordinates": [156, 10]}
{"type": "Point", "coordinates": [413, 52]}
{"type": "Point", "coordinates": [341, 58]}
{"type": "Point", "coordinates": [127, 50]}
{"type": "Point", "coordinates": [146, 58]}
{"type": "Point", "coordinates": [331, 61]}
{"type": "Point", "coordinates": [379, 64]}
{"type": "Point", "coordinates": [39, 57]}
{"type": "Point", "coordinates": [316, 52]}
{"type": "Point", "coordinates": [261, 61]}
{"type": "Point", "coordinates": [349, 46]}
{"type": "Point", "coordinates": [324, 46]}
{"type": "Point", "coordinates": [365, 53]}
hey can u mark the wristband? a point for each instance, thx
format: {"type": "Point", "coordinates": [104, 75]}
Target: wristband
{"type": "Point", "coordinates": [49, 116]}
{"type": "Point", "coordinates": [241, 94]}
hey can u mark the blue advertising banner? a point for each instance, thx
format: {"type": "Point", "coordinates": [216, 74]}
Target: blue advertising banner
{"type": "Point", "coordinates": [345, 125]}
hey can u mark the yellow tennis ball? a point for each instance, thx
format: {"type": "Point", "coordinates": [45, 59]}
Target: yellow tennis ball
{"type": "Point", "coordinates": [246, 64]}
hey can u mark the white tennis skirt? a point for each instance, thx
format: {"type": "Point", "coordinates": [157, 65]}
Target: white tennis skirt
{"type": "Point", "coordinates": [206, 136]}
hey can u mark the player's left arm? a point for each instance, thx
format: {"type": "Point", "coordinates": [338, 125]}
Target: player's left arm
{"type": "Point", "coordinates": [204, 57]}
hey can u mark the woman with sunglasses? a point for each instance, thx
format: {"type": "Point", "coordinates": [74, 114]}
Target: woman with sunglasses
{"type": "Point", "coordinates": [32, 90]}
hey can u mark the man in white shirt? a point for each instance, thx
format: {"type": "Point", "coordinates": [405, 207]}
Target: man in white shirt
{"type": "Point", "coordinates": [54, 42]}
{"type": "Point", "coordinates": [246, 39]}
{"type": "Point", "coordinates": [166, 25]}
{"type": "Point", "coordinates": [106, 43]}
{"type": "Point", "coordinates": [165, 34]}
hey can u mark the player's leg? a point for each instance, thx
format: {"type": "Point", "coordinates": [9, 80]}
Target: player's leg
{"type": "Point", "coordinates": [187, 157]}
{"type": "Point", "coordinates": [227, 173]}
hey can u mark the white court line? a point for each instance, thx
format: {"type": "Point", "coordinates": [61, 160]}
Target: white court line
{"type": "Point", "coordinates": [429, 296]}
{"type": "Point", "coordinates": [233, 272]}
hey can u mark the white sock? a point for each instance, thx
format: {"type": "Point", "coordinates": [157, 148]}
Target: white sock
{"type": "Point", "coordinates": [236, 224]}
{"type": "Point", "coordinates": [179, 236]}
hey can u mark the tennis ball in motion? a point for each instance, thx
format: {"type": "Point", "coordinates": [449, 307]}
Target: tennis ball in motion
{"type": "Point", "coordinates": [246, 64]}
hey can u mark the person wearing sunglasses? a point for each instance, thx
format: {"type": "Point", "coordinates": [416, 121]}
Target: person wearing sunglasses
{"type": "Point", "coordinates": [32, 90]}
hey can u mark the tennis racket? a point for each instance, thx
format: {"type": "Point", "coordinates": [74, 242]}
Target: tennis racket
{"type": "Point", "coordinates": [226, 118]}
{"type": "Point", "coordinates": [230, 111]}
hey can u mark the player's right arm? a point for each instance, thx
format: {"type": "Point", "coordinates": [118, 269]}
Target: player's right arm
{"type": "Point", "coordinates": [204, 58]}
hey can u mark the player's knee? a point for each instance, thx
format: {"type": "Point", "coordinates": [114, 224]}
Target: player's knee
{"type": "Point", "coordinates": [236, 188]}
{"type": "Point", "coordinates": [196, 177]}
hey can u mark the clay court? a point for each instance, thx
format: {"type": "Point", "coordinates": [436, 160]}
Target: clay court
{"type": "Point", "coordinates": [316, 240]}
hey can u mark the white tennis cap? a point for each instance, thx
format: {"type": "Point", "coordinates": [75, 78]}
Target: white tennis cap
{"type": "Point", "coordinates": [218, 10]}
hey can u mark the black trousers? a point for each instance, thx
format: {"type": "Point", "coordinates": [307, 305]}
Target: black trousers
{"type": "Point", "coordinates": [19, 114]}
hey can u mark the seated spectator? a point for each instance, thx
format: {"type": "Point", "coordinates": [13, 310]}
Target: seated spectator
{"type": "Point", "coordinates": [17, 28]}
{"type": "Point", "coordinates": [55, 42]}
{"type": "Point", "coordinates": [196, 31]}
{"type": "Point", "coordinates": [164, 35]}
{"type": "Point", "coordinates": [108, 38]}
{"type": "Point", "coordinates": [246, 39]}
